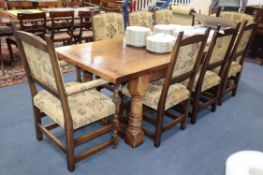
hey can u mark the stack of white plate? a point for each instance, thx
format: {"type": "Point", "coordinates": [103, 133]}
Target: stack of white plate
{"type": "Point", "coordinates": [136, 35]}
{"type": "Point", "coordinates": [160, 43]}
{"type": "Point", "coordinates": [167, 29]}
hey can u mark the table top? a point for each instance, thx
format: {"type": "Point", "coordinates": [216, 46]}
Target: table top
{"type": "Point", "coordinates": [113, 60]}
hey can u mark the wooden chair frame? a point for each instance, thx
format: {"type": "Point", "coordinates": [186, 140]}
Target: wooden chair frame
{"type": "Point", "coordinates": [41, 129]}
{"type": "Point", "coordinates": [209, 97]}
{"type": "Point", "coordinates": [183, 109]}
{"type": "Point", "coordinates": [224, 88]}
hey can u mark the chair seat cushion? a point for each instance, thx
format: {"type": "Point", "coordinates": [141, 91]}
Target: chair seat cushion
{"type": "Point", "coordinates": [176, 94]}
{"type": "Point", "coordinates": [86, 107]}
{"type": "Point", "coordinates": [85, 33]}
{"type": "Point", "coordinates": [62, 36]}
{"type": "Point", "coordinates": [211, 79]}
{"type": "Point", "coordinates": [234, 69]}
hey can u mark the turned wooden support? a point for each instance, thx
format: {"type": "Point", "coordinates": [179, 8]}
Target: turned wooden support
{"type": "Point", "coordinates": [137, 88]}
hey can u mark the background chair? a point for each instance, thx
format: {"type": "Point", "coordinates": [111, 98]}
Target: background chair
{"type": "Point", "coordinates": [208, 80]}
{"type": "Point", "coordinates": [19, 5]}
{"type": "Point", "coordinates": [163, 16]}
{"type": "Point", "coordinates": [169, 92]}
{"type": "Point", "coordinates": [71, 3]}
{"type": "Point", "coordinates": [234, 67]}
{"type": "Point", "coordinates": [107, 26]}
{"type": "Point", "coordinates": [183, 15]}
{"type": "Point", "coordinates": [237, 17]}
{"type": "Point", "coordinates": [62, 25]}
{"type": "Point", "coordinates": [141, 18]}
{"type": "Point", "coordinates": [48, 4]}
{"type": "Point", "coordinates": [70, 106]}
{"type": "Point", "coordinates": [31, 22]}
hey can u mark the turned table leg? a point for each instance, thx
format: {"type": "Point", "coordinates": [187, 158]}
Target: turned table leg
{"type": "Point", "coordinates": [137, 88]}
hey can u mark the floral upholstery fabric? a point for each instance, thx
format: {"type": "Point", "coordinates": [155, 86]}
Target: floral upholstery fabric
{"type": "Point", "coordinates": [211, 79]}
{"type": "Point", "coordinates": [108, 25]}
{"type": "Point", "coordinates": [186, 59]}
{"type": "Point", "coordinates": [234, 69]}
{"type": "Point", "coordinates": [62, 36]}
{"type": "Point", "coordinates": [177, 93]}
{"type": "Point", "coordinates": [237, 16]}
{"type": "Point", "coordinates": [40, 64]}
{"type": "Point", "coordinates": [85, 107]}
{"type": "Point", "coordinates": [141, 18]}
{"type": "Point", "coordinates": [182, 19]}
{"type": "Point", "coordinates": [244, 41]}
{"type": "Point", "coordinates": [163, 16]}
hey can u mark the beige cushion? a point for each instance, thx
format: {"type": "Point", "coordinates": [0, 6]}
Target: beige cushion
{"type": "Point", "coordinates": [234, 69]}
{"type": "Point", "coordinates": [211, 79]}
{"type": "Point", "coordinates": [176, 94]}
{"type": "Point", "coordinates": [163, 16]}
{"type": "Point", "coordinates": [85, 34]}
{"type": "Point", "coordinates": [141, 18]}
{"type": "Point", "coordinates": [62, 36]}
{"type": "Point", "coordinates": [85, 107]}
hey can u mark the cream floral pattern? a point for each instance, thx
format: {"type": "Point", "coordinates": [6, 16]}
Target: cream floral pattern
{"type": "Point", "coordinates": [234, 69]}
{"type": "Point", "coordinates": [237, 17]}
{"type": "Point", "coordinates": [211, 79]}
{"type": "Point", "coordinates": [177, 93]}
{"type": "Point", "coordinates": [141, 18]}
{"type": "Point", "coordinates": [244, 41]}
{"type": "Point", "coordinates": [40, 64]}
{"type": "Point", "coordinates": [85, 107]}
{"type": "Point", "coordinates": [186, 59]}
{"type": "Point", "coordinates": [108, 25]}
{"type": "Point", "coordinates": [163, 16]}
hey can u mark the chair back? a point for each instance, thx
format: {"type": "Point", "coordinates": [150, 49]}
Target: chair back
{"type": "Point", "coordinates": [185, 60]}
{"type": "Point", "coordinates": [220, 50]}
{"type": "Point", "coordinates": [48, 4]}
{"type": "Point", "coordinates": [33, 23]}
{"type": "Point", "coordinates": [243, 41]}
{"type": "Point", "coordinates": [183, 15]}
{"type": "Point", "coordinates": [163, 16]}
{"type": "Point", "coordinates": [19, 5]}
{"type": "Point", "coordinates": [73, 3]}
{"type": "Point", "coordinates": [62, 20]}
{"type": "Point", "coordinates": [2, 5]}
{"type": "Point", "coordinates": [141, 18]}
{"type": "Point", "coordinates": [107, 26]}
{"type": "Point", "coordinates": [237, 17]}
{"type": "Point", "coordinates": [40, 61]}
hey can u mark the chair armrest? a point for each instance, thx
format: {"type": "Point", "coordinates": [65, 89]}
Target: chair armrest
{"type": "Point", "coordinates": [85, 86]}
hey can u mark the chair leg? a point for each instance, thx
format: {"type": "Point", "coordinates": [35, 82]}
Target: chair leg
{"type": "Point", "coordinates": [222, 92]}
{"type": "Point", "coordinates": [195, 108]}
{"type": "Point", "coordinates": [37, 120]}
{"type": "Point", "coordinates": [237, 78]}
{"type": "Point", "coordinates": [186, 109]}
{"type": "Point", "coordinates": [158, 130]}
{"type": "Point", "coordinates": [70, 149]}
{"type": "Point", "coordinates": [79, 79]}
{"type": "Point", "coordinates": [9, 42]}
{"type": "Point", "coordinates": [116, 100]}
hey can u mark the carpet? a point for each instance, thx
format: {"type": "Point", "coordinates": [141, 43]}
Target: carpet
{"type": "Point", "coordinates": [15, 74]}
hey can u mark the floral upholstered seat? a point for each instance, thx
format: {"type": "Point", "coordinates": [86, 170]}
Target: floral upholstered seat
{"type": "Point", "coordinates": [211, 79]}
{"type": "Point", "coordinates": [107, 26]}
{"type": "Point", "coordinates": [141, 18]}
{"type": "Point", "coordinates": [163, 16]}
{"type": "Point", "coordinates": [176, 94]}
{"type": "Point", "coordinates": [234, 69]}
{"type": "Point", "coordinates": [85, 107]}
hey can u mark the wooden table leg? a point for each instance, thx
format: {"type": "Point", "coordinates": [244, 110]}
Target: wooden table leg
{"type": "Point", "coordinates": [137, 88]}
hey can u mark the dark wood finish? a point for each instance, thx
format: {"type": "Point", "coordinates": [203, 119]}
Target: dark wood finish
{"type": "Point", "coordinates": [255, 51]}
{"type": "Point", "coordinates": [62, 22]}
{"type": "Point", "coordinates": [48, 4]}
{"type": "Point", "coordinates": [231, 83]}
{"type": "Point", "coordinates": [33, 23]}
{"type": "Point", "coordinates": [71, 3]}
{"type": "Point", "coordinates": [203, 99]}
{"type": "Point", "coordinates": [41, 130]}
{"type": "Point", "coordinates": [19, 5]}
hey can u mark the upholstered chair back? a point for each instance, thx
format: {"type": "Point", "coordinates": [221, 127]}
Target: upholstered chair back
{"type": "Point", "coordinates": [182, 15]}
{"type": "Point", "coordinates": [38, 61]}
{"type": "Point", "coordinates": [163, 16]}
{"type": "Point", "coordinates": [107, 26]}
{"type": "Point", "coordinates": [141, 18]}
{"type": "Point", "coordinates": [237, 17]}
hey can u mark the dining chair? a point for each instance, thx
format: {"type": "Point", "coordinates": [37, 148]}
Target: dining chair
{"type": "Point", "coordinates": [30, 22]}
{"type": "Point", "coordinates": [62, 25]}
{"type": "Point", "coordinates": [71, 3]}
{"type": "Point", "coordinates": [183, 15]}
{"type": "Point", "coordinates": [141, 18]}
{"type": "Point", "coordinates": [84, 32]}
{"type": "Point", "coordinates": [70, 106]}
{"type": "Point", "coordinates": [169, 92]}
{"type": "Point", "coordinates": [235, 65]}
{"type": "Point", "coordinates": [107, 26]}
{"type": "Point", "coordinates": [208, 82]}
{"type": "Point", "coordinates": [48, 4]}
{"type": "Point", "coordinates": [3, 5]}
{"type": "Point", "coordinates": [163, 16]}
